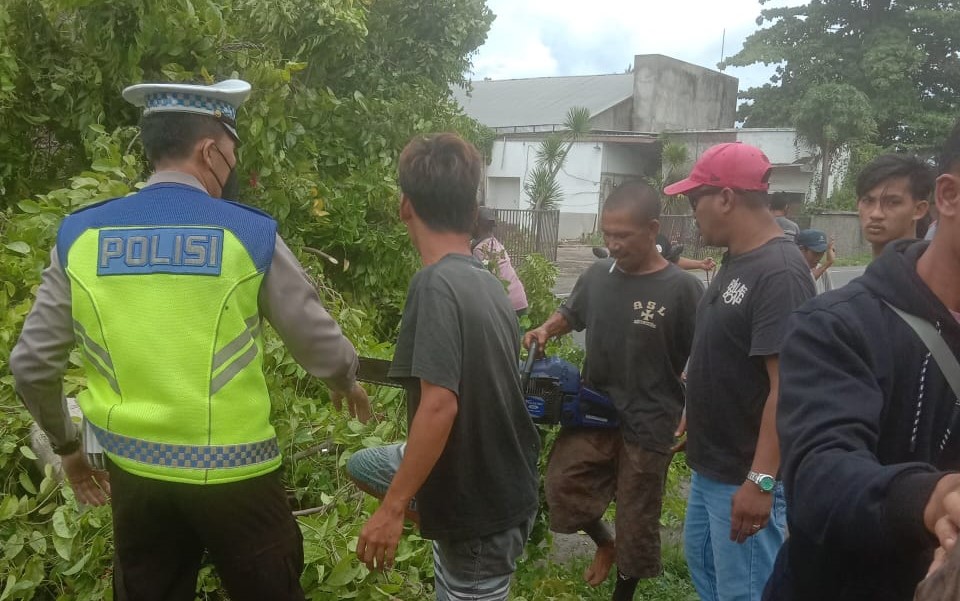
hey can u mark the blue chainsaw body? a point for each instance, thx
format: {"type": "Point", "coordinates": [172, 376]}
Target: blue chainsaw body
{"type": "Point", "coordinates": [554, 394]}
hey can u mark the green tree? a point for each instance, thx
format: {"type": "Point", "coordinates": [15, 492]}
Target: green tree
{"type": "Point", "coordinates": [339, 87]}
{"type": "Point", "coordinates": [830, 116]}
{"type": "Point", "coordinates": [903, 56]}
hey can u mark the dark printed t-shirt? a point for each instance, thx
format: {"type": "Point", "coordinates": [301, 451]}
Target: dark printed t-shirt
{"type": "Point", "coordinates": [639, 331]}
{"type": "Point", "coordinates": [741, 321]}
{"type": "Point", "coordinates": [460, 332]}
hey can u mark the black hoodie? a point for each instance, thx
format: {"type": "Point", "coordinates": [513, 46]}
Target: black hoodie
{"type": "Point", "coordinates": [864, 421]}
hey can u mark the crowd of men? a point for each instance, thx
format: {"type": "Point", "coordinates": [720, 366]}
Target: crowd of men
{"type": "Point", "coordinates": [819, 428]}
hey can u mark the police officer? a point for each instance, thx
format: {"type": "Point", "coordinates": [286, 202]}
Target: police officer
{"type": "Point", "coordinates": [164, 292]}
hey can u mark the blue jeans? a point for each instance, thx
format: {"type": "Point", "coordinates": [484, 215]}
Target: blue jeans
{"type": "Point", "coordinates": [476, 569]}
{"type": "Point", "coordinates": [721, 569]}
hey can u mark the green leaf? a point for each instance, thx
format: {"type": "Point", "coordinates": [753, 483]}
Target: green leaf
{"type": "Point", "coordinates": [38, 543]}
{"type": "Point", "coordinates": [27, 483]}
{"type": "Point", "coordinates": [64, 546]}
{"type": "Point", "coordinates": [13, 546]}
{"type": "Point", "coordinates": [77, 566]}
{"type": "Point", "coordinates": [60, 526]}
{"type": "Point", "coordinates": [8, 507]}
{"type": "Point", "coordinates": [28, 452]}
{"type": "Point", "coordinates": [21, 248]}
{"type": "Point", "coordinates": [29, 206]}
{"type": "Point", "coordinates": [344, 572]}
{"type": "Point", "coordinates": [11, 580]}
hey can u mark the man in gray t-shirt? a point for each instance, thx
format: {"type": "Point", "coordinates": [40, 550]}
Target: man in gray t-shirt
{"type": "Point", "coordinates": [780, 207]}
{"type": "Point", "coordinates": [470, 459]}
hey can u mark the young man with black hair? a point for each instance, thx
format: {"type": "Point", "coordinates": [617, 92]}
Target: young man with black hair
{"type": "Point", "coordinates": [735, 519]}
{"type": "Point", "coordinates": [165, 292]}
{"type": "Point", "coordinates": [470, 460]}
{"type": "Point", "coordinates": [893, 194]}
{"type": "Point", "coordinates": [869, 424]}
{"type": "Point", "coordinates": [639, 312]}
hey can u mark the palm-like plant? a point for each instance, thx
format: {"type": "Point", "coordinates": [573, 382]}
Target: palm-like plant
{"type": "Point", "coordinates": [541, 185]}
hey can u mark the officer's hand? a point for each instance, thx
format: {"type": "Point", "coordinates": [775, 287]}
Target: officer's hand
{"type": "Point", "coordinates": [89, 485]}
{"type": "Point", "coordinates": [708, 264]}
{"type": "Point", "coordinates": [540, 335]}
{"type": "Point", "coordinates": [358, 403]}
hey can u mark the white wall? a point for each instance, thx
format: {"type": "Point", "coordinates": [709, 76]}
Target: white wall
{"type": "Point", "coordinates": [503, 192]}
{"type": "Point", "coordinates": [781, 147]}
{"type": "Point", "coordinates": [579, 179]}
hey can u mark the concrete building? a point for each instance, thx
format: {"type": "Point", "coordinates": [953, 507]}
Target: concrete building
{"type": "Point", "coordinates": [628, 112]}
{"type": "Point", "coordinates": [631, 113]}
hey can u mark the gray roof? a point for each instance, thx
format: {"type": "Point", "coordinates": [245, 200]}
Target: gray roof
{"type": "Point", "coordinates": [541, 100]}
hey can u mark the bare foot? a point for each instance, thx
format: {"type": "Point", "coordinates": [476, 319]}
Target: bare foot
{"type": "Point", "coordinates": [603, 559]}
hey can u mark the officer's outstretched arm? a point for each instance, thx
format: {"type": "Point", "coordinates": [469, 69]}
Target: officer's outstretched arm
{"type": "Point", "coordinates": [39, 359]}
{"type": "Point", "coordinates": [291, 304]}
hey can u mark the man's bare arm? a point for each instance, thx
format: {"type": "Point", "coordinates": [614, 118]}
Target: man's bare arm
{"type": "Point", "coordinates": [556, 325]}
{"type": "Point", "coordinates": [429, 431]}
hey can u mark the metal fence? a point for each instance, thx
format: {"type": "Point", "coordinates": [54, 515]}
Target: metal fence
{"type": "Point", "coordinates": [682, 229]}
{"type": "Point", "coordinates": [524, 232]}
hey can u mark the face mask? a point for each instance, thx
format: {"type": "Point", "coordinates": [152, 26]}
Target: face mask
{"type": "Point", "coordinates": [229, 189]}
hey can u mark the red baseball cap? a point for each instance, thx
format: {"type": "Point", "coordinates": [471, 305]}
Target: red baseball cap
{"type": "Point", "coordinates": [732, 165]}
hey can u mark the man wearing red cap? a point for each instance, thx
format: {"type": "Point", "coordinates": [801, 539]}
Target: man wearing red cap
{"type": "Point", "coordinates": [736, 513]}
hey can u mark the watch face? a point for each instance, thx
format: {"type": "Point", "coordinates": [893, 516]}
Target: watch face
{"type": "Point", "coordinates": [766, 483]}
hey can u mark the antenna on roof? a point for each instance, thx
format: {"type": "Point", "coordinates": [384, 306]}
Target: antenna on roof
{"type": "Point", "coordinates": [723, 43]}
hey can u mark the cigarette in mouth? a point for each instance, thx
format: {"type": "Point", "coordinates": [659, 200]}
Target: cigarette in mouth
{"type": "Point", "coordinates": [612, 267]}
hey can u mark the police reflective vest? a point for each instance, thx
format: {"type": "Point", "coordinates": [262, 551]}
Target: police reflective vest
{"type": "Point", "coordinates": [164, 287]}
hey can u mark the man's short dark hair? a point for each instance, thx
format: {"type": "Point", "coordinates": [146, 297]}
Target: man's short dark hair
{"type": "Point", "coordinates": [890, 166]}
{"type": "Point", "coordinates": [172, 136]}
{"type": "Point", "coordinates": [950, 155]}
{"type": "Point", "coordinates": [779, 201]}
{"type": "Point", "coordinates": [440, 174]}
{"type": "Point", "coordinates": [636, 196]}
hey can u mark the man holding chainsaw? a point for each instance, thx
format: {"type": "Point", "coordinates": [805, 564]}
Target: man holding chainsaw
{"type": "Point", "coordinates": [470, 459]}
{"type": "Point", "coordinates": [639, 313]}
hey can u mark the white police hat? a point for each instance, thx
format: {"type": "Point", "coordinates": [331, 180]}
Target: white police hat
{"type": "Point", "coordinates": [220, 101]}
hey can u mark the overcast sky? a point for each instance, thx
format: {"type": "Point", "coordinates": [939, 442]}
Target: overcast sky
{"type": "Point", "coordinates": [542, 38]}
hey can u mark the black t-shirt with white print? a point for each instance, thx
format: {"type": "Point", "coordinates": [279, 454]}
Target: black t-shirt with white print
{"type": "Point", "coordinates": [741, 321]}
{"type": "Point", "coordinates": [639, 332]}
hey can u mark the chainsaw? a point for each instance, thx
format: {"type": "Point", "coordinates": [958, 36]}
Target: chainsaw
{"type": "Point", "coordinates": [554, 394]}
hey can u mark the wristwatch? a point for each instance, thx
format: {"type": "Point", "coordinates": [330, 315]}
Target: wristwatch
{"type": "Point", "coordinates": [764, 482]}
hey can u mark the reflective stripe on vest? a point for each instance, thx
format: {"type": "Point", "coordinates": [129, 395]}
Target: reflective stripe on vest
{"type": "Point", "coordinates": [186, 456]}
{"type": "Point", "coordinates": [220, 359]}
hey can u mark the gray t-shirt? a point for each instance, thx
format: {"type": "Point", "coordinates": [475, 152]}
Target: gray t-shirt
{"type": "Point", "coordinates": [460, 332]}
{"type": "Point", "coordinates": [741, 320]}
{"type": "Point", "coordinates": [639, 332]}
{"type": "Point", "coordinates": [790, 228]}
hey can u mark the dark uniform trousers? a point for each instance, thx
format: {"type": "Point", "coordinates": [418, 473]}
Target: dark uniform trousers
{"type": "Point", "coordinates": [161, 530]}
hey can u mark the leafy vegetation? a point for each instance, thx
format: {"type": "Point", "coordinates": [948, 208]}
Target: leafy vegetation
{"type": "Point", "coordinates": [339, 86]}
{"type": "Point", "coordinates": [901, 56]}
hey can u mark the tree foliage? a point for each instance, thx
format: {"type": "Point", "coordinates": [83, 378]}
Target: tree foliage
{"type": "Point", "coordinates": [902, 56]}
{"type": "Point", "coordinates": [339, 87]}
{"type": "Point", "coordinates": [830, 116]}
